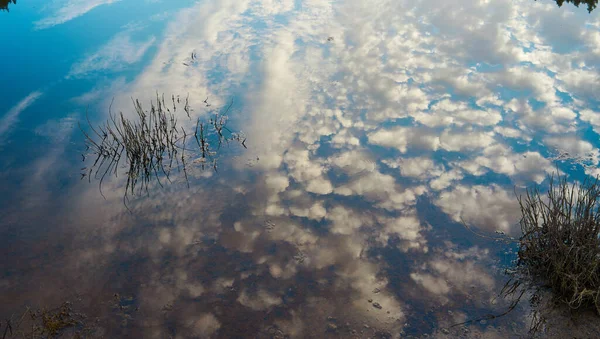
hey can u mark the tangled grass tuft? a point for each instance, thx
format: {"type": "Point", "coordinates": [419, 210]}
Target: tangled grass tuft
{"type": "Point", "coordinates": [151, 144]}
{"type": "Point", "coordinates": [560, 245]}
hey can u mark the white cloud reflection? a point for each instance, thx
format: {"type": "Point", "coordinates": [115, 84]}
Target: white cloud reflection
{"type": "Point", "coordinates": [66, 10]}
{"type": "Point", "coordinates": [10, 118]}
{"type": "Point", "coordinates": [445, 91]}
{"type": "Point", "coordinates": [119, 52]}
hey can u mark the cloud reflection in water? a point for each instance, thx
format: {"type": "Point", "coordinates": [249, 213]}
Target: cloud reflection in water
{"type": "Point", "coordinates": [439, 104]}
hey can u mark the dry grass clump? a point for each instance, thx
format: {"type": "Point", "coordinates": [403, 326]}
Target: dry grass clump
{"type": "Point", "coordinates": [560, 245]}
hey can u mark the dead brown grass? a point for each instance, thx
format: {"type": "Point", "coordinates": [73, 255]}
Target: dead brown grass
{"type": "Point", "coordinates": [560, 245]}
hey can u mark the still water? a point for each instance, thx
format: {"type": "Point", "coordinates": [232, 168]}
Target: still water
{"type": "Point", "coordinates": [374, 193]}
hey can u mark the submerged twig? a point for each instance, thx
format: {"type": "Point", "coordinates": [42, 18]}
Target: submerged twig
{"type": "Point", "coordinates": [508, 289]}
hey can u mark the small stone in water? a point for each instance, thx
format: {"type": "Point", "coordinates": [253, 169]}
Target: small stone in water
{"type": "Point", "coordinates": [445, 331]}
{"type": "Point", "coordinates": [483, 322]}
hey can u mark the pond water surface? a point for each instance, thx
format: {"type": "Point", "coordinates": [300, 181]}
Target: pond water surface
{"type": "Point", "coordinates": [385, 143]}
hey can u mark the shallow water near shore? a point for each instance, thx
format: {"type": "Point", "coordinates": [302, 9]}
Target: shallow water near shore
{"type": "Point", "coordinates": [385, 143]}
